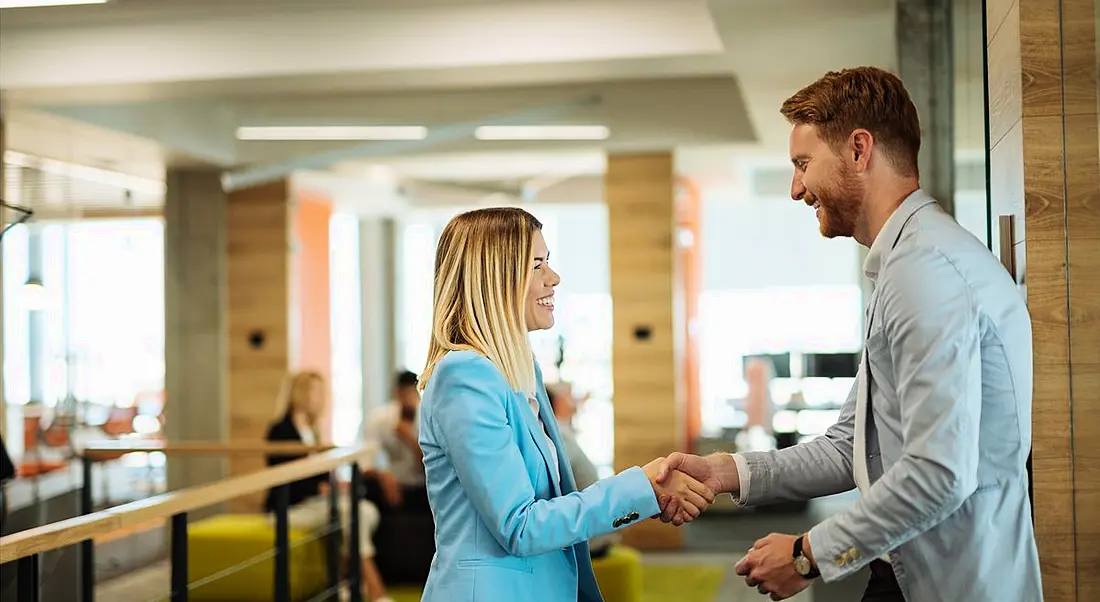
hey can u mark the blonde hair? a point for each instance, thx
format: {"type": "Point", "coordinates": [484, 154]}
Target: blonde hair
{"type": "Point", "coordinates": [482, 270]}
{"type": "Point", "coordinates": [293, 397]}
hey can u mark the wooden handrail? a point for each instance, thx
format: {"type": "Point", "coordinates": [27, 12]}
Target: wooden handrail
{"type": "Point", "coordinates": [106, 449]}
{"type": "Point", "coordinates": [74, 530]}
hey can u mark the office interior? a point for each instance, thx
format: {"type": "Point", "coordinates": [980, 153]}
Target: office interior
{"type": "Point", "coordinates": [201, 198]}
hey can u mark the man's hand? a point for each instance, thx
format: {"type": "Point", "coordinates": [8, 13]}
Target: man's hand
{"type": "Point", "coordinates": [391, 489]}
{"type": "Point", "coordinates": [692, 497]}
{"type": "Point", "coordinates": [769, 567]}
{"type": "Point", "coordinates": [717, 471]}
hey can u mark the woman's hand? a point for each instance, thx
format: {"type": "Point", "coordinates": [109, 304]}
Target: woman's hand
{"type": "Point", "coordinates": [693, 496]}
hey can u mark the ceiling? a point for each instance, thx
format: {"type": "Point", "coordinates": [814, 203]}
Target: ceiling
{"type": "Point", "coordinates": [139, 85]}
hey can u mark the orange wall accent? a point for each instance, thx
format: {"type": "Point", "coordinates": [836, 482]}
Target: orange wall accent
{"type": "Point", "coordinates": [689, 217]}
{"type": "Point", "coordinates": [312, 334]}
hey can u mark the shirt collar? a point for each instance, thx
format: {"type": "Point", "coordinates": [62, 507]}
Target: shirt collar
{"type": "Point", "coordinates": [891, 230]}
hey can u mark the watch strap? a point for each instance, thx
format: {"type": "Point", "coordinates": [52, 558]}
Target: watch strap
{"type": "Point", "coordinates": [798, 543]}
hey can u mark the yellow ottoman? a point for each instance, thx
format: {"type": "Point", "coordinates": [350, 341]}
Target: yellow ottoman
{"type": "Point", "coordinates": [216, 544]}
{"type": "Point", "coordinates": [619, 574]}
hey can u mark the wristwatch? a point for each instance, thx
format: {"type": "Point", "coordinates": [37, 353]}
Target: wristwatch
{"type": "Point", "coordinates": [802, 564]}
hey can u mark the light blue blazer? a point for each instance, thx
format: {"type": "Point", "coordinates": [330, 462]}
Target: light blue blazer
{"type": "Point", "coordinates": [506, 528]}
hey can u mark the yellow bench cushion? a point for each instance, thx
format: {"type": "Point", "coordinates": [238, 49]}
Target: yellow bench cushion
{"type": "Point", "coordinates": [619, 574]}
{"type": "Point", "coordinates": [216, 544]}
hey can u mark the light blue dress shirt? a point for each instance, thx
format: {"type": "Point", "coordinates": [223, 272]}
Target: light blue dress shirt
{"type": "Point", "coordinates": [949, 374]}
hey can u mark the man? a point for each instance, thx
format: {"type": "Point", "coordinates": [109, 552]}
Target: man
{"type": "Point", "coordinates": [565, 406]}
{"type": "Point", "coordinates": [398, 483]}
{"type": "Point", "coordinates": [936, 432]}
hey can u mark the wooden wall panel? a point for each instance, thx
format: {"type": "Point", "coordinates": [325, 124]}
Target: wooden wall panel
{"type": "Point", "coordinates": [639, 192]}
{"type": "Point", "coordinates": [1082, 227]}
{"type": "Point", "coordinates": [258, 271]}
{"type": "Point", "coordinates": [1044, 52]}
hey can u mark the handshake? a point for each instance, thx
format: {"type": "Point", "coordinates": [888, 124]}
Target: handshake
{"type": "Point", "coordinates": [685, 485]}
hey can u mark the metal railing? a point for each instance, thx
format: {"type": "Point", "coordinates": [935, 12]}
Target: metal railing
{"type": "Point", "coordinates": [25, 547]}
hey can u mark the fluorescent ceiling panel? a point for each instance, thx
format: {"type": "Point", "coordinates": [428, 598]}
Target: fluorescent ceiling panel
{"type": "Point", "coordinates": [542, 132]}
{"type": "Point", "coordinates": [37, 3]}
{"type": "Point", "coordinates": [333, 132]}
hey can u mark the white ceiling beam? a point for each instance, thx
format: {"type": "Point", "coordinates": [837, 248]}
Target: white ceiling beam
{"type": "Point", "coordinates": [270, 44]}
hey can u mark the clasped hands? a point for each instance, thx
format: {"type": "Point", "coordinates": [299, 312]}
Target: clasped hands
{"type": "Point", "coordinates": [683, 481]}
{"type": "Point", "coordinates": [684, 486]}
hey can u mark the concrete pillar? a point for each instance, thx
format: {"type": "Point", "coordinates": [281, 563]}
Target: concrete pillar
{"type": "Point", "coordinates": [926, 65]}
{"type": "Point", "coordinates": [195, 343]}
{"type": "Point", "coordinates": [377, 271]}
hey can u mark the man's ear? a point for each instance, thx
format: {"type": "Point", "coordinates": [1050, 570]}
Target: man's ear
{"type": "Point", "coordinates": [859, 144]}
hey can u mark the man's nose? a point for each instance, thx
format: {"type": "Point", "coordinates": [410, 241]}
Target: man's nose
{"type": "Point", "coordinates": [797, 189]}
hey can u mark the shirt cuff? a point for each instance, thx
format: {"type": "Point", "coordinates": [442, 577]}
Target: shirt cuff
{"type": "Point", "coordinates": [744, 477]}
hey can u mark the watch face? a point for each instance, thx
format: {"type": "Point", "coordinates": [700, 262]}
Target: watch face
{"type": "Point", "coordinates": [802, 565]}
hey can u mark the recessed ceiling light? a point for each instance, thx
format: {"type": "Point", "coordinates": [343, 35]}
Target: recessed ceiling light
{"type": "Point", "coordinates": [35, 3]}
{"type": "Point", "coordinates": [542, 132]}
{"type": "Point", "coordinates": [333, 132]}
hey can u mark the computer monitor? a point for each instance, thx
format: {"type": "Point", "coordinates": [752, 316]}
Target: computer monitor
{"type": "Point", "coordinates": [830, 365]}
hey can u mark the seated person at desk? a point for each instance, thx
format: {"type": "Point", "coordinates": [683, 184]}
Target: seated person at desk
{"type": "Point", "coordinates": [398, 482]}
{"type": "Point", "coordinates": [584, 471]}
{"type": "Point", "coordinates": [303, 398]}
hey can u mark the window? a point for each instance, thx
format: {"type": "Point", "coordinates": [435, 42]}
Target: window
{"type": "Point", "coordinates": [347, 352]}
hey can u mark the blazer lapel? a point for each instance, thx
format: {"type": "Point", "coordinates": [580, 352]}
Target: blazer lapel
{"type": "Point", "coordinates": [540, 438]}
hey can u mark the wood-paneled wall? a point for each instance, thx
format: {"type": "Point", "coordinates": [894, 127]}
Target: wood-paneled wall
{"type": "Point", "coordinates": [1045, 171]}
{"type": "Point", "coordinates": [258, 225]}
{"type": "Point", "coordinates": [639, 192]}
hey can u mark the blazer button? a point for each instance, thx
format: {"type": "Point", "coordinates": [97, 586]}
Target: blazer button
{"type": "Point", "coordinates": [633, 516]}
{"type": "Point", "coordinates": [618, 522]}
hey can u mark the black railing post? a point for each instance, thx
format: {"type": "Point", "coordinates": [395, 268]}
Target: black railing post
{"type": "Point", "coordinates": [282, 544]}
{"type": "Point", "coordinates": [355, 563]}
{"type": "Point", "coordinates": [87, 547]}
{"type": "Point", "coordinates": [179, 557]}
{"type": "Point", "coordinates": [333, 539]}
{"type": "Point", "coordinates": [28, 578]}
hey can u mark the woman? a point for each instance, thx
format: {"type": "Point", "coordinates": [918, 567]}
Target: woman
{"type": "Point", "coordinates": [510, 524]}
{"type": "Point", "coordinates": [303, 401]}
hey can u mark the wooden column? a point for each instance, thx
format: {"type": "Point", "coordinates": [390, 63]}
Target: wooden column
{"type": "Point", "coordinates": [278, 305]}
{"type": "Point", "coordinates": [639, 192]}
{"type": "Point", "coordinates": [1045, 178]}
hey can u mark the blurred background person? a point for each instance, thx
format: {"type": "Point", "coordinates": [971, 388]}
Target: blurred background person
{"type": "Point", "coordinates": [303, 402]}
